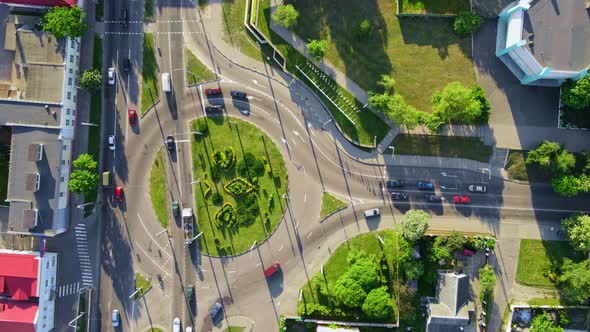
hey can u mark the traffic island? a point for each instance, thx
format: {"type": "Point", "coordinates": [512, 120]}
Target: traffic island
{"type": "Point", "coordinates": [158, 189]}
{"type": "Point", "coordinates": [142, 285]}
{"type": "Point", "coordinates": [330, 205]}
{"type": "Point", "coordinates": [240, 184]}
{"type": "Point", "coordinates": [149, 74]}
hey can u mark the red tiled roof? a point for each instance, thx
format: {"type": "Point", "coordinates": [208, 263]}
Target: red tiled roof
{"type": "Point", "coordinates": [19, 274]}
{"type": "Point", "coordinates": [18, 316]}
{"type": "Point", "coordinates": [43, 3]}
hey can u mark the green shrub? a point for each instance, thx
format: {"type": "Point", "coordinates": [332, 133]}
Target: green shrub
{"type": "Point", "coordinates": [202, 128]}
{"type": "Point", "coordinates": [224, 159]}
{"type": "Point", "coordinates": [247, 210]}
{"type": "Point", "coordinates": [576, 94]}
{"type": "Point", "coordinates": [207, 190]}
{"type": "Point", "coordinates": [466, 23]}
{"type": "Point", "coordinates": [226, 216]}
{"type": "Point", "coordinates": [216, 198]}
{"type": "Point", "coordinates": [238, 187]}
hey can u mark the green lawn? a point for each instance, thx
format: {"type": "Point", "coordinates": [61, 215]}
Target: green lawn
{"type": "Point", "coordinates": [81, 323]}
{"type": "Point", "coordinates": [142, 283]}
{"type": "Point", "coordinates": [149, 74]}
{"type": "Point", "coordinates": [434, 6]}
{"type": "Point", "coordinates": [367, 125]}
{"type": "Point", "coordinates": [243, 138]}
{"type": "Point", "coordinates": [196, 67]}
{"type": "Point", "coordinates": [154, 329]}
{"type": "Point", "coordinates": [234, 32]}
{"type": "Point", "coordinates": [148, 10]}
{"type": "Point", "coordinates": [442, 146]}
{"type": "Point", "coordinates": [517, 168]}
{"type": "Point", "coordinates": [537, 258]}
{"type": "Point", "coordinates": [422, 55]}
{"type": "Point", "coordinates": [330, 204]}
{"type": "Point", "coordinates": [158, 189]}
{"type": "Point", "coordinates": [234, 329]}
{"type": "Point", "coordinates": [338, 264]}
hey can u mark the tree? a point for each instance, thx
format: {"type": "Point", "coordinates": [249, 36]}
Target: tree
{"type": "Point", "coordinates": [286, 15]}
{"type": "Point", "coordinates": [575, 279]}
{"type": "Point", "coordinates": [413, 269]}
{"type": "Point", "coordinates": [566, 185]}
{"type": "Point", "coordinates": [466, 23]}
{"type": "Point", "coordinates": [394, 106]}
{"type": "Point", "coordinates": [479, 95]}
{"type": "Point", "coordinates": [378, 304]}
{"type": "Point", "coordinates": [397, 249]}
{"type": "Point", "coordinates": [553, 157]}
{"type": "Point", "coordinates": [348, 292]}
{"type": "Point", "coordinates": [317, 49]}
{"type": "Point", "coordinates": [455, 241]}
{"type": "Point", "coordinates": [577, 228]}
{"type": "Point", "coordinates": [365, 271]}
{"type": "Point", "coordinates": [440, 251]}
{"type": "Point", "coordinates": [480, 243]}
{"type": "Point", "coordinates": [91, 80]}
{"type": "Point", "coordinates": [64, 22]}
{"type": "Point", "coordinates": [487, 281]}
{"type": "Point", "coordinates": [544, 323]}
{"type": "Point", "coordinates": [83, 181]}
{"type": "Point", "coordinates": [415, 224]}
{"type": "Point", "coordinates": [576, 94]}
{"type": "Point", "coordinates": [85, 162]}
{"type": "Point", "coordinates": [387, 82]}
{"type": "Point", "coordinates": [456, 104]}
{"type": "Point", "coordinates": [364, 30]}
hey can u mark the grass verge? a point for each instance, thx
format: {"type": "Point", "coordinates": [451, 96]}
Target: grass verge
{"type": "Point", "coordinates": [539, 258]}
{"type": "Point", "coordinates": [330, 204]}
{"type": "Point", "coordinates": [141, 283]}
{"type": "Point", "coordinates": [148, 10]}
{"type": "Point", "coordinates": [81, 322]}
{"type": "Point", "coordinates": [154, 329]}
{"type": "Point", "coordinates": [234, 32]}
{"type": "Point", "coordinates": [234, 329]}
{"type": "Point", "coordinates": [99, 10]}
{"type": "Point", "coordinates": [422, 54]}
{"type": "Point", "coordinates": [434, 6]}
{"type": "Point", "coordinates": [158, 189]}
{"type": "Point", "coordinates": [149, 74]}
{"type": "Point", "coordinates": [367, 125]}
{"type": "Point", "coordinates": [517, 168]}
{"type": "Point", "coordinates": [442, 146]}
{"type": "Point", "coordinates": [200, 72]}
{"type": "Point", "coordinates": [259, 211]}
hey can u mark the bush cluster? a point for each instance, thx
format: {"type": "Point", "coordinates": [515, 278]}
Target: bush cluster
{"type": "Point", "coordinates": [226, 216]}
{"type": "Point", "coordinates": [224, 159]}
{"type": "Point", "coordinates": [238, 187]}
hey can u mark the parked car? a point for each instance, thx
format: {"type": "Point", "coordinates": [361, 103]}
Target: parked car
{"type": "Point", "coordinates": [461, 199]}
{"type": "Point", "coordinates": [425, 185]}
{"type": "Point", "coordinates": [212, 92]}
{"type": "Point", "coordinates": [170, 142]}
{"type": "Point", "coordinates": [176, 325]}
{"type": "Point", "coordinates": [112, 142]}
{"type": "Point", "coordinates": [395, 196]}
{"type": "Point", "coordinates": [372, 213]}
{"type": "Point", "coordinates": [111, 76]}
{"type": "Point", "coordinates": [215, 310]}
{"type": "Point", "coordinates": [271, 270]}
{"type": "Point", "coordinates": [392, 183]}
{"type": "Point", "coordinates": [433, 198]}
{"type": "Point", "coordinates": [115, 318]}
{"type": "Point", "coordinates": [119, 194]}
{"type": "Point", "coordinates": [190, 292]}
{"type": "Point", "coordinates": [237, 94]}
{"type": "Point", "coordinates": [214, 109]}
{"type": "Point", "coordinates": [175, 209]}
{"type": "Point", "coordinates": [478, 188]}
{"type": "Point", "coordinates": [132, 117]}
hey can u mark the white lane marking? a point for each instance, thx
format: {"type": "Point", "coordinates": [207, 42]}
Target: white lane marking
{"type": "Point", "coordinates": [281, 248]}
{"type": "Point", "coordinates": [258, 264]}
{"type": "Point", "coordinates": [151, 237]}
{"type": "Point", "coordinates": [305, 198]}
{"type": "Point", "coordinates": [183, 141]}
{"type": "Point", "coordinates": [309, 235]}
{"type": "Point", "coordinates": [158, 265]}
{"type": "Point", "coordinates": [202, 100]}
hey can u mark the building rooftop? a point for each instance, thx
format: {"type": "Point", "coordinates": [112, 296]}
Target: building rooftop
{"type": "Point", "coordinates": [33, 183]}
{"type": "Point", "coordinates": [24, 113]}
{"type": "Point", "coordinates": [18, 276]}
{"type": "Point", "coordinates": [449, 311]}
{"type": "Point", "coordinates": [558, 33]}
{"type": "Point", "coordinates": [18, 316]}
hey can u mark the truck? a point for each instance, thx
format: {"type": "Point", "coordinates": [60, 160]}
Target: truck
{"type": "Point", "coordinates": [187, 225]}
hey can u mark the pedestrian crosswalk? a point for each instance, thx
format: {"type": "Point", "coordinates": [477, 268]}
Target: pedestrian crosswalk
{"type": "Point", "coordinates": [69, 289]}
{"type": "Point", "coordinates": [83, 256]}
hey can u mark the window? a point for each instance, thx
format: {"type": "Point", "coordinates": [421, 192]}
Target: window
{"type": "Point", "coordinates": [69, 95]}
{"type": "Point", "coordinates": [71, 58]}
{"type": "Point", "coordinates": [46, 267]}
{"type": "Point", "coordinates": [52, 264]}
{"type": "Point", "coordinates": [61, 179]}
{"type": "Point", "coordinates": [69, 81]}
{"type": "Point", "coordinates": [73, 112]}
{"type": "Point", "coordinates": [63, 162]}
{"type": "Point", "coordinates": [67, 122]}
{"type": "Point", "coordinates": [71, 71]}
{"type": "Point", "coordinates": [65, 147]}
{"type": "Point", "coordinates": [61, 194]}
{"type": "Point", "coordinates": [46, 283]}
{"type": "Point", "coordinates": [68, 111]}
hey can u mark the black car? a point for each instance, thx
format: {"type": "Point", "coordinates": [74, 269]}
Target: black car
{"type": "Point", "coordinates": [399, 196]}
{"type": "Point", "coordinates": [170, 143]}
{"type": "Point", "coordinates": [237, 94]}
{"type": "Point", "coordinates": [433, 198]}
{"type": "Point", "coordinates": [392, 183]}
{"type": "Point", "coordinates": [127, 65]}
{"type": "Point", "coordinates": [214, 109]}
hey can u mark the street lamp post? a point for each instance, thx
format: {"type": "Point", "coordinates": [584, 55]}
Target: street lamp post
{"type": "Point", "coordinates": [196, 181]}
{"type": "Point", "coordinates": [133, 294]}
{"type": "Point", "coordinates": [150, 90]}
{"type": "Point", "coordinates": [71, 323]}
{"type": "Point", "coordinates": [81, 206]}
{"type": "Point", "coordinates": [89, 124]}
{"type": "Point", "coordinates": [392, 150]}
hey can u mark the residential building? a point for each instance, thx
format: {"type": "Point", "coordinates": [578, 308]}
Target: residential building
{"type": "Point", "coordinates": [27, 291]}
{"type": "Point", "coordinates": [545, 42]}
{"type": "Point", "coordinates": [452, 309]}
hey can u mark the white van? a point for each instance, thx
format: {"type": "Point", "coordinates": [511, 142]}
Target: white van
{"type": "Point", "coordinates": [166, 84]}
{"type": "Point", "coordinates": [372, 213]}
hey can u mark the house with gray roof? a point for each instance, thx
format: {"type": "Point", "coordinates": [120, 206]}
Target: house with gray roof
{"type": "Point", "coordinates": [452, 309]}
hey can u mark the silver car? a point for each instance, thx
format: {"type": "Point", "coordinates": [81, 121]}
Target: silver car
{"type": "Point", "coordinates": [115, 317]}
{"type": "Point", "coordinates": [478, 188]}
{"type": "Point", "coordinates": [111, 76]}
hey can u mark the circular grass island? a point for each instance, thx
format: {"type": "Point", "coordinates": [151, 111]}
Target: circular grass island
{"type": "Point", "coordinates": [242, 178]}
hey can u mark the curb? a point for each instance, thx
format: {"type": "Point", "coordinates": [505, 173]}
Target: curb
{"type": "Point", "coordinates": [333, 213]}
{"type": "Point", "coordinates": [141, 116]}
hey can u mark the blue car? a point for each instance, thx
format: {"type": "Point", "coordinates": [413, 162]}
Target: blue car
{"type": "Point", "coordinates": [425, 185]}
{"type": "Point", "coordinates": [215, 311]}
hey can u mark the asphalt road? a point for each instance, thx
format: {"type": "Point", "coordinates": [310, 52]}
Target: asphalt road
{"type": "Point", "coordinates": [317, 159]}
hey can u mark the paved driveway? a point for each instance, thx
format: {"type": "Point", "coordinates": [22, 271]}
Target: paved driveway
{"type": "Point", "coordinates": [522, 115]}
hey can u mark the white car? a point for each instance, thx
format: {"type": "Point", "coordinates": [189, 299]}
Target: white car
{"type": "Point", "coordinates": [115, 317]}
{"type": "Point", "coordinates": [478, 188]}
{"type": "Point", "coordinates": [176, 325]}
{"type": "Point", "coordinates": [112, 142]}
{"type": "Point", "coordinates": [111, 76]}
{"type": "Point", "coordinates": [189, 329]}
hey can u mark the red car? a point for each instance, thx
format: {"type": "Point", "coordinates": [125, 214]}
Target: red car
{"type": "Point", "coordinates": [119, 194]}
{"type": "Point", "coordinates": [212, 92]}
{"type": "Point", "coordinates": [461, 199]}
{"type": "Point", "coordinates": [271, 270]}
{"type": "Point", "coordinates": [132, 117]}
